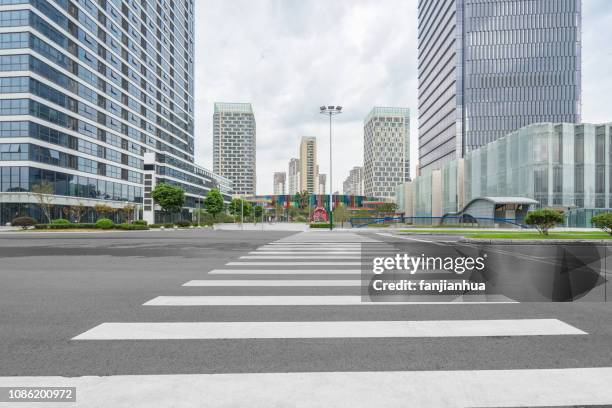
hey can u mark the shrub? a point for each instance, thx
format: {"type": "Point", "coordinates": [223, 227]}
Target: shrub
{"type": "Point", "coordinates": [183, 224]}
{"type": "Point", "coordinates": [130, 227]}
{"type": "Point", "coordinates": [104, 223]}
{"type": "Point", "coordinates": [544, 219]}
{"type": "Point", "coordinates": [23, 222]}
{"type": "Point", "coordinates": [140, 222]}
{"type": "Point", "coordinates": [300, 218]}
{"type": "Point", "coordinates": [320, 225]}
{"type": "Point", "coordinates": [65, 226]}
{"type": "Point", "coordinates": [61, 221]}
{"type": "Point", "coordinates": [603, 221]}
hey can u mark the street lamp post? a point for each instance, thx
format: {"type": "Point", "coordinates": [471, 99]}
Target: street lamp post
{"type": "Point", "coordinates": [330, 111]}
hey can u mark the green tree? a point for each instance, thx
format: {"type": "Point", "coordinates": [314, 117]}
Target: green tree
{"type": "Point", "coordinates": [603, 221]}
{"type": "Point", "coordinates": [170, 198]}
{"type": "Point", "coordinates": [302, 199]}
{"type": "Point", "coordinates": [214, 202]}
{"type": "Point", "coordinates": [544, 219]}
{"type": "Point", "coordinates": [387, 207]}
{"type": "Point", "coordinates": [238, 206]}
{"type": "Point", "coordinates": [43, 193]}
{"type": "Point", "coordinates": [340, 214]}
{"type": "Point", "coordinates": [257, 212]}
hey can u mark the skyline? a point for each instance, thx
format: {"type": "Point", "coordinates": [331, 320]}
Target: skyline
{"type": "Point", "coordinates": [373, 54]}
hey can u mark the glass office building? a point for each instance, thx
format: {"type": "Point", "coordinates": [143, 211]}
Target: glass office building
{"type": "Point", "coordinates": [86, 89]}
{"type": "Point", "coordinates": [565, 166]}
{"type": "Point", "coordinates": [487, 68]}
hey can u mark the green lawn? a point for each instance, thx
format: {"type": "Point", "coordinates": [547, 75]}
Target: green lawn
{"type": "Point", "coordinates": [518, 234]}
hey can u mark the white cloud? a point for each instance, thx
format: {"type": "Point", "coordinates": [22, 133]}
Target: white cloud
{"type": "Point", "coordinates": [287, 57]}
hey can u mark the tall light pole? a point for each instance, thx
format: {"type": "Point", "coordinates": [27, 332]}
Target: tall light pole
{"type": "Point", "coordinates": [330, 111]}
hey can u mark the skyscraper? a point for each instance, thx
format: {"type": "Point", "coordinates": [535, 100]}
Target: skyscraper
{"type": "Point", "coordinates": [322, 182]}
{"type": "Point", "coordinates": [353, 184]}
{"type": "Point", "coordinates": [234, 144]}
{"type": "Point", "coordinates": [386, 150]}
{"type": "Point", "coordinates": [86, 92]}
{"type": "Point", "coordinates": [294, 176]}
{"type": "Point", "coordinates": [487, 68]}
{"type": "Point", "coordinates": [280, 179]}
{"type": "Point", "coordinates": [309, 169]}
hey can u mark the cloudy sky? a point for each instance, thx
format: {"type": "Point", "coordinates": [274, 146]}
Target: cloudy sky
{"type": "Point", "coordinates": [288, 57]}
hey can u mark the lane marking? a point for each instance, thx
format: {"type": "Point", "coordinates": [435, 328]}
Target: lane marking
{"type": "Point", "coordinates": [355, 389]}
{"type": "Point", "coordinates": [328, 329]}
{"type": "Point", "coordinates": [268, 282]}
{"type": "Point", "coordinates": [284, 271]}
{"type": "Point", "coordinates": [296, 256]}
{"type": "Point", "coordinates": [314, 263]}
{"type": "Point", "coordinates": [353, 300]}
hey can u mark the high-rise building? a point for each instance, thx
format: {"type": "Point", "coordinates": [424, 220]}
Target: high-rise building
{"type": "Point", "coordinates": [234, 144]}
{"type": "Point", "coordinates": [86, 92]}
{"type": "Point", "coordinates": [293, 184]}
{"type": "Point", "coordinates": [280, 180]}
{"type": "Point", "coordinates": [487, 68]}
{"type": "Point", "coordinates": [386, 150]}
{"type": "Point", "coordinates": [353, 184]}
{"type": "Point", "coordinates": [322, 181]}
{"type": "Point", "coordinates": [309, 170]}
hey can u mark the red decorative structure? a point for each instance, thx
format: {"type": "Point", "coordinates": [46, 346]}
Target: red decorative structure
{"type": "Point", "coordinates": [319, 215]}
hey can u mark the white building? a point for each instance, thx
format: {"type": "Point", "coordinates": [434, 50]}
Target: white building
{"type": "Point", "coordinates": [234, 145]}
{"type": "Point", "coordinates": [386, 149]}
{"type": "Point", "coordinates": [280, 180]}
{"type": "Point", "coordinates": [353, 184]}
{"type": "Point", "coordinates": [293, 184]}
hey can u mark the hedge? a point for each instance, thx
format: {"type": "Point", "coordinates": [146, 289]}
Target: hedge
{"type": "Point", "coordinates": [161, 225]}
{"type": "Point", "coordinates": [320, 225]}
{"type": "Point", "coordinates": [129, 227]}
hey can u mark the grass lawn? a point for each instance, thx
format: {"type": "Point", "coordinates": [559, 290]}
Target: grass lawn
{"type": "Point", "coordinates": [519, 234]}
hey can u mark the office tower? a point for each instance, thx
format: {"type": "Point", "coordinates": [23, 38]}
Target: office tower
{"type": "Point", "coordinates": [487, 68]}
{"type": "Point", "coordinates": [293, 184]}
{"type": "Point", "coordinates": [280, 179]}
{"type": "Point", "coordinates": [234, 143]}
{"type": "Point", "coordinates": [386, 150]}
{"type": "Point", "coordinates": [85, 92]}
{"type": "Point", "coordinates": [309, 170]}
{"type": "Point", "coordinates": [353, 184]}
{"type": "Point", "coordinates": [322, 181]}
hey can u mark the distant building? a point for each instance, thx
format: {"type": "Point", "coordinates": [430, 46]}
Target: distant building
{"type": "Point", "coordinates": [280, 179]}
{"type": "Point", "coordinates": [234, 144]}
{"type": "Point", "coordinates": [353, 184]}
{"type": "Point", "coordinates": [309, 170]}
{"type": "Point", "coordinates": [322, 181]}
{"type": "Point", "coordinates": [294, 176]}
{"type": "Point", "coordinates": [487, 68]}
{"type": "Point", "coordinates": [386, 149]}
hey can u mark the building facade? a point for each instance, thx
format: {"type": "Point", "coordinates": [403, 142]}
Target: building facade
{"type": "Point", "coordinates": [487, 68]}
{"type": "Point", "coordinates": [280, 181]}
{"type": "Point", "coordinates": [85, 92]}
{"type": "Point", "coordinates": [565, 166]}
{"type": "Point", "coordinates": [309, 169]}
{"type": "Point", "coordinates": [234, 145]}
{"type": "Point", "coordinates": [386, 149]}
{"type": "Point", "coordinates": [322, 182]}
{"type": "Point", "coordinates": [353, 184]}
{"type": "Point", "coordinates": [293, 175]}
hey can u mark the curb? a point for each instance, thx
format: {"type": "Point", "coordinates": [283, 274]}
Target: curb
{"type": "Point", "coordinates": [483, 241]}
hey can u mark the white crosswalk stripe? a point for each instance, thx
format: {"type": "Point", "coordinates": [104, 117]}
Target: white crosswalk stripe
{"type": "Point", "coordinates": [292, 272]}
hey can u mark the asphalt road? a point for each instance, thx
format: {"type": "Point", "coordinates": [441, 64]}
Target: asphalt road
{"type": "Point", "coordinates": [57, 286]}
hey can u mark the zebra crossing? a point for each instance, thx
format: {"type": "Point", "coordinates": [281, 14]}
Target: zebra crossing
{"type": "Point", "coordinates": [307, 262]}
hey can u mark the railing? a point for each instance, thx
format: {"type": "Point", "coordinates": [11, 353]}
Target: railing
{"type": "Point", "coordinates": [462, 221]}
